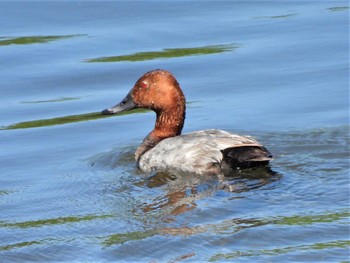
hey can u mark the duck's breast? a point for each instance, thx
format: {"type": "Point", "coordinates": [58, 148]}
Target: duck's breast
{"type": "Point", "coordinates": [193, 152]}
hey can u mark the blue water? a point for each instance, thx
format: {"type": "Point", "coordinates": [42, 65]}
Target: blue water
{"type": "Point", "coordinates": [69, 190]}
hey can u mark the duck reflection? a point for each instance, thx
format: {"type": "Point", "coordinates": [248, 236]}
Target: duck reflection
{"type": "Point", "coordinates": [179, 191]}
{"type": "Point", "coordinates": [249, 179]}
{"type": "Point", "coordinates": [183, 190]}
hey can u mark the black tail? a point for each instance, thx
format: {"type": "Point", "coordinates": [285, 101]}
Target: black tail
{"type": "Point", "coordinates": [246, 156]}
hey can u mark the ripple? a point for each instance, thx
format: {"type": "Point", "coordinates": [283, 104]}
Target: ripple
{"type": "Point", "coordinates": [280, 250]}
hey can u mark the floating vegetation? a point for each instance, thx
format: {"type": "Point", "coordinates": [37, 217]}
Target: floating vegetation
{"type": "Point", "coordinates": [121, 238]}
{"type": "Point", "coordinates": [338, 8]}
{"type": "Point", "coordinates": [69, 118]}
{"type": "Point", "coordinates": [20, 245]}
{"type": "Point", "coordinates": [65, 120]}
{"type": "Point", "coordinates": [312, 219]}
{"type": "Point", "coordinates": [167, 53]}
{"type": "Point", "coordinates": [53, 221]}
{"type": "Point", "coordinates": [28, 40]}
{"type": "Point", "coordinates": [276, 17]}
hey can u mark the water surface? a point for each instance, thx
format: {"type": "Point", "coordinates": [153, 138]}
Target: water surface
{"type": "Point", "coordinates": [69, 189]}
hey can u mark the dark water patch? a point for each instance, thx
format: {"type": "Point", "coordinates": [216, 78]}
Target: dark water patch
{"type": "Point", "coordinates": [66, 119]}
{"type": "Point", "coordinates": [28, 40]}
{"type": "Point", "coordinates": [49, 101]}
{"type": "Point", "coordinates": [167, 53]}
{"type": "Point", "coordinates": [281, 250]}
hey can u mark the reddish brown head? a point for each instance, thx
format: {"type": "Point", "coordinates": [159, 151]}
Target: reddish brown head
{"type": "Point", "coordinates": [159, 91]}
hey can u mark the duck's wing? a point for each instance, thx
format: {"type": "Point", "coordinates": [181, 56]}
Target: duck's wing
{"type": "Point", "coordinates": [240, 151]}
{"type": "Point", "coordinates": [237, 150]}
{"type": "Point", "coordinates": [223, 139]}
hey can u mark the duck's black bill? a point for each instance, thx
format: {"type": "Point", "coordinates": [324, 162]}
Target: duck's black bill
{"type": "Point", "coordinates": [126, 104]}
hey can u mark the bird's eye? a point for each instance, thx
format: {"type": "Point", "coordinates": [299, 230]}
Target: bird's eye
{"type": "Point", "coordinates": [143, 84]}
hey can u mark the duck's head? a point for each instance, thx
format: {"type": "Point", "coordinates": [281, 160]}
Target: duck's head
{"type": "Point", "coordinates": [157, 90]}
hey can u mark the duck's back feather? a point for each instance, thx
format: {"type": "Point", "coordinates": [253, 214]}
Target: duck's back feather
{"type": "Point", "coordinates": [204, 152]}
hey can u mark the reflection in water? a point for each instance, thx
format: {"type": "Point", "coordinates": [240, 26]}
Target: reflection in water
{"type": "Point", "coordinates": [183, 190]}
{"type": "Point", "coordinates": [248, 179]}
{"type": "Point", "coordinates": [170, 194]}
{"type": "Point", "coordinates": [177, 192]}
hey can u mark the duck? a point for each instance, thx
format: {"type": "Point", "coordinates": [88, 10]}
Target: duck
{"type": "Point", "coordinates": [165, 148]}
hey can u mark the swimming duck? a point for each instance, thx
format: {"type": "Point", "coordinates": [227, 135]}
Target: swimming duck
{"type": "Point", "coordinates": [206, 152]}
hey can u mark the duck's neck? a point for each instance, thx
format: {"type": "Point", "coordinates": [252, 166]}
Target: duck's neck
{"type": "Point", "coordinates": [169, 123]}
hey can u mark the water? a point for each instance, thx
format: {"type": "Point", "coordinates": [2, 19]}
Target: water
{"type": "Point", "coordinates": [69, 191]}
